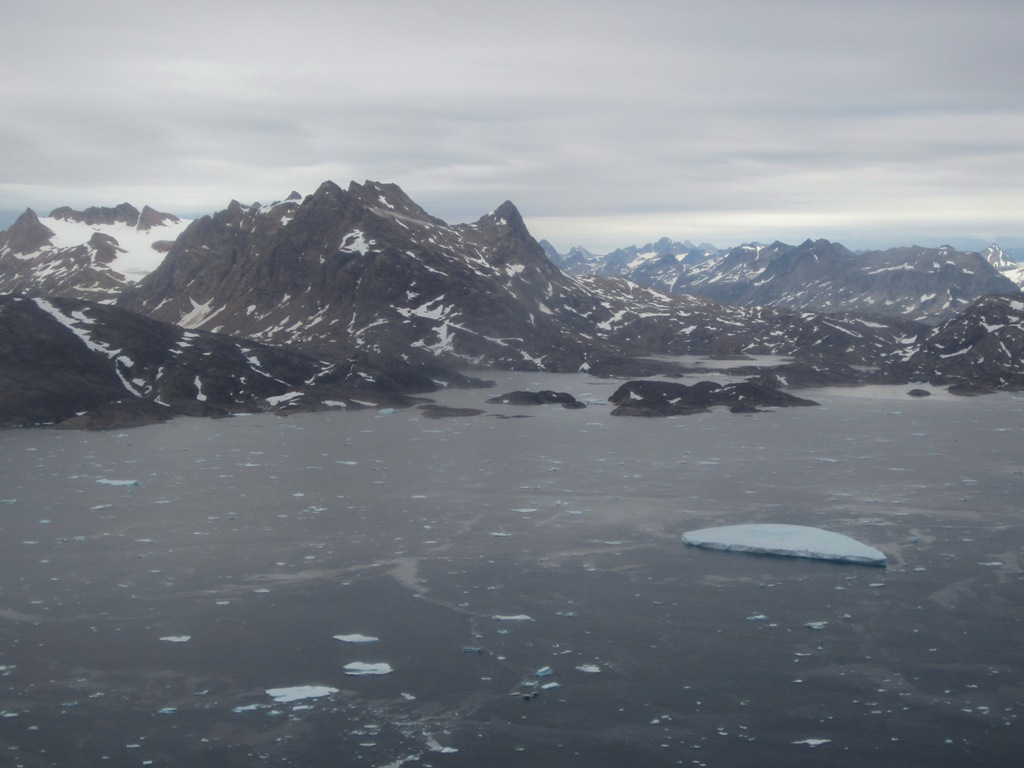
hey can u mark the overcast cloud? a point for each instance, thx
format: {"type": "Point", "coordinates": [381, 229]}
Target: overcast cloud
{"type": "Point", "coordinates": [606, 123]}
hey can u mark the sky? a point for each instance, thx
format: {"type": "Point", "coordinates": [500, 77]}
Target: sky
{"type": "Point", "coordinates": [607, 123]}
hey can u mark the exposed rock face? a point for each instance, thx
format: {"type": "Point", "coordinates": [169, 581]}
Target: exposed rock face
{"type": "Point", "coordinates": [26, 235]}
{"type": "Point", "coordinates": [70, 362]}
{"type": "Point", "coordinates": [666, 398]}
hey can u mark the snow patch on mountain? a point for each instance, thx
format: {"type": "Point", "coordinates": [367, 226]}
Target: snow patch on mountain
{"type": "Point", "coordinates": [136, 256]}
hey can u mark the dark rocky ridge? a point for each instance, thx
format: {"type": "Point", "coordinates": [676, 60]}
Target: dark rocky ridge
{"type": "Point", "coordinates": [667, 398]}
{"type": "Point", "coordinates": [124, 213]}
{"type": "Point", "coordinates": [543, 397]}
{"type": "Point", "coordinates": [73, 363]}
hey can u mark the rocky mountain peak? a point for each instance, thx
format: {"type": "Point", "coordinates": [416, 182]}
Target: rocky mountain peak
{"type": "Point", "coordinates": [26, 235]}
{"type": "Point", "coordinates": [150, 218]}
{"type": "Point", "coordinates": [125, 213]}
{"type": "Point", "coordinates": [507, 216]}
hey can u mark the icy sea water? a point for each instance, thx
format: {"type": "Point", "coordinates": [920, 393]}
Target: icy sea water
{"type": "Point", "coordinates": [142, 621]}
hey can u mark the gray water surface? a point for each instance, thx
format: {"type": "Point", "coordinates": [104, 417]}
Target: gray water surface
{"type": "Point", "coordinates": [259, 539]}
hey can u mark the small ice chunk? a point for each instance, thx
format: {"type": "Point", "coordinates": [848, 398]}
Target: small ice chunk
{"type": "Point", "coordinates": [359, 668]}
{"type": "Point", "coordinates": [108, 481]}
{"type": "Point", "coordinates": [812, 742]}
{"type": "Point", "coordinates": [299, 692]}
{"type": "Point", "coordinates": [176, 638]}
{"type": "Point", "coordinates": [517, 617]}
{"type": "Point", "coordinates": [816, 624]}
{"type": "Point", "coordinates": [356, 638]}
{"type": "Point", "coordinates": [590, 668]}
{"type": "Point", "coordinates": [545, 672]}
{"type": "Point", "coordinates": [786, 540]}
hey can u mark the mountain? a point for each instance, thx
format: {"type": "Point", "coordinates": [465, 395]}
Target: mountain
{"type": "Point", "coordinates": [922, 284]}
{"type": "Point", "coordinates": [981, 349]}
{"type": "Point", "coordinates": [359, 290]}
{"type": "Point", "coordinates": [367, 270]}
{"type": "Point", "coordinates": [653, 265]}
{"type": "Point", "coordinates": [1005, 264]}
{"type": "Point", "coordinates": [90, 254]}
{"type": "Point", "coordinates": [82, 364]}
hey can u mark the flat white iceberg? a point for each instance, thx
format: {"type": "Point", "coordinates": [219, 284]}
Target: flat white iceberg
{"type": "Point", "coordinates": [176, 638]}
{"type": "Point", "coordinates": [363, 668]}
{"type": "Point", "coordinates": [356, 638]}
{"type": "Point", "coordinates": [786, 540]}
{"type": "Point", "coordinates": [813, 742]}
{"type": "Point", "coordinates": [298, 692]}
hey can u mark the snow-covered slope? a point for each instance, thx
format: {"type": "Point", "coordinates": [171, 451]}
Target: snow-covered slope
{"type": "Point", "coordinates": [1007, 267]}
{"type": "Point", "coordinates": [90, 254]}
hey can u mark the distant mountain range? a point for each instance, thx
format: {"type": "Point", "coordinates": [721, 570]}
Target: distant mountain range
{"type": "Point", "coordinates": [360, 297]}
{"type": "Point", "coordinates": [923, 284]}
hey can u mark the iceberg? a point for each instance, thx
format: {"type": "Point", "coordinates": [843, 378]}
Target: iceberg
{"type": "Point", "coordinates": [299, 692]}
{"type": "Point", "coordinates": [361, 668]}
{"type": "Point", "coordinates": [356, 638]}
{"type": "Point", "coordinates": [787, 541]}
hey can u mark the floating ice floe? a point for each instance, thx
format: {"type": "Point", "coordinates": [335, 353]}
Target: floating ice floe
{"type": "Point", "coordinates": [517, 617]}
{"type": "Point", "coordinates": [356, 638]}
{"type": "Point", "coordinates": [812, 742]}
{"type": "Point", "coordinates": [299, 692]}
{"type": "Point", "coordinates": [176, 638]}
{"type": "Point", "coordinates": [786, 540]}
{"type": "Point", "coordinates": [590, 668]}
{"type": "Point", "coordinates": [107, 481]}
{"type": "Point", "coordinates": [359, 668]}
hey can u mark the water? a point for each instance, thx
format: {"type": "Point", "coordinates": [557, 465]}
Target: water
{"type": "Point", "coordinates": [260, 539]}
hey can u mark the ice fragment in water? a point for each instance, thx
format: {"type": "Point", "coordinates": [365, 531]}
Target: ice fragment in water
{"type": "Point", "coordinates": [106, 481]}
{"type": "Point", "coordinates": [176, 638]}
{"type": "Point", "coordinates": [591, 668]}
{"type": "Point", "coordinates": [298, 692]}
{"type": "Point", "coordinates": [786, 540]}
{"type": "Point", "coordinates": [356, 638]}
{"type": "Point", "coordinates": [362, 668]}
{"type": "Point", "coordinates": [517, 617]}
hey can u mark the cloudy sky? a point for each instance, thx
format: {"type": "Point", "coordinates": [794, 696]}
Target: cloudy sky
{"type": "Point", "coordinates": [606, 123]}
